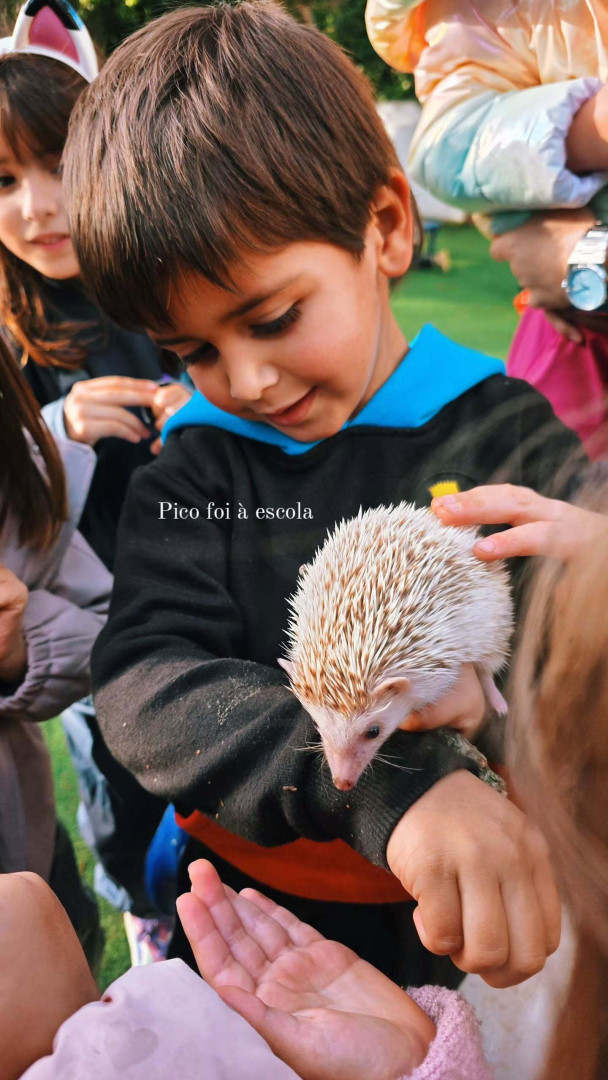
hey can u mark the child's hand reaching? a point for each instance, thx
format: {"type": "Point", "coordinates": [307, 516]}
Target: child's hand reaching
{"type": "Point", "coordinates": [96, 409]}
{"type": "Point", "coordinates": [541, 526]}
{"type": "Point", "coordinates": [325, 1012]}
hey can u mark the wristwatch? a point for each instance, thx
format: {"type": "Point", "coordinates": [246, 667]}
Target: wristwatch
{"type": "Point", "coordinates": [586, 281]}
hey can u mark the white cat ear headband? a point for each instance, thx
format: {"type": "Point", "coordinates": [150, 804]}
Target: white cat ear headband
{"type": "Point", "coordinates": [52, 28]}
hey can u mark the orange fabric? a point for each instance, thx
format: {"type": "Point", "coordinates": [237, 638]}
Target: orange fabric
{"type": "Point", "coordinates": [331, 871]}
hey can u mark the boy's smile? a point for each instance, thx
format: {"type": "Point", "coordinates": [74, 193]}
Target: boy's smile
{"type": "Point", "coordinates": [302, 343]}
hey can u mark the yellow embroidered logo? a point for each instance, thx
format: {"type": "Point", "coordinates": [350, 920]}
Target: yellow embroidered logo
{"type": "Point", "coordinates": [444, 487]}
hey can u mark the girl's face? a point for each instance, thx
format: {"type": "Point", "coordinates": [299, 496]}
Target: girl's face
{"type": "Point", "coordinates": [33, 222]}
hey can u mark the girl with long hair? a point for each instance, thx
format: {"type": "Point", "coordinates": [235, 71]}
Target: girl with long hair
{"type": "Point", "coordinates": [97, 385]}
{"type": "Point", "coordinates": [54, 595]}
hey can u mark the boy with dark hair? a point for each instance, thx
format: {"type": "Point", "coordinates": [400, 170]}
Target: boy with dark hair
{"type": "Point", "coordinates": [242, 200]}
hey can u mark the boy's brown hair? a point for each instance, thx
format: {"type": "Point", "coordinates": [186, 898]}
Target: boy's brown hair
{"type": "Point", "coordinates": [209, 133]}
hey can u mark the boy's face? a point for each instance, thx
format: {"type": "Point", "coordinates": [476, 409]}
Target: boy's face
{"type": "Point", "coordinates": [302, 344]}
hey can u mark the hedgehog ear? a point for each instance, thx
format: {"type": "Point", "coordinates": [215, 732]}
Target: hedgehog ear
{"type": "Point", "coordinates": [392, 687]}
{"type": "Point", "coordinates": [287, 666]}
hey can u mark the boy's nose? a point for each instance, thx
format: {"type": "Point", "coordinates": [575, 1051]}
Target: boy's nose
{"type": "Point", "coordinates": [249, 380]}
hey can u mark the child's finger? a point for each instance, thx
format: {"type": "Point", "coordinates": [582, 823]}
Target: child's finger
{"type": "Point", "coordinates": [540, 538]}
{"type": "Point", "coordinates": [168, 399]}
{"type": "Point", "coordinates": [211, 951]}
{"type": "Point", "coordinates": [526, 928]}
{"type": "Point", "coordinates": [300, 933]}
{"type": "Point", "coordinates": [496, 504]}
{"type": "Point", "coordinates": [244, 948]}
{"type": "Point", "coordinates": [486, 935]}
{"type": "Point", "coordinates": [265, 929]}
{"type": "Point", "coordinates": [102, 419]}
{"type": "Point", "coordinates": [546, 890]}
{"type": "Point", "coordinates": [438, 917]}
{"type": "Point", "coordinates": [145, 388]}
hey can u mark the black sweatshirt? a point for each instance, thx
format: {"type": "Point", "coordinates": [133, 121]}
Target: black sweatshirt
{"type": "Point", "coordinates": [189, 694]}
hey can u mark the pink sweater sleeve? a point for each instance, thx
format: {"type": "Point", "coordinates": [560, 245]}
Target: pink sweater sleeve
{"type": "Point", "coordinates": [154, 1023]}
{"type": "Point", "coordinates": [455, 1053]}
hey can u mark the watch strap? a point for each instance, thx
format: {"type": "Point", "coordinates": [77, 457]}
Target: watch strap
{"type": "Point", "coordinates": [592, 248]}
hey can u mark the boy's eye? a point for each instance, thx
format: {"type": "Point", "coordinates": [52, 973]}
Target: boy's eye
{"type": "Point", "coordinates": [6, 181]}
{"type": "Point", "coordinates": [277, 326]}
{"type": "Point", "coordinates": [205, 354]}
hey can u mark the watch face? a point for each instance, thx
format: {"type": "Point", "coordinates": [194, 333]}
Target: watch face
{"type": "Point", "coordinates": [586, 287]}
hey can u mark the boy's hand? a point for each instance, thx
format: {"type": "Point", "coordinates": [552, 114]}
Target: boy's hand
{"type": "Point", "coordinates": [95, 409]}
{"type": "Point", "coordinates": [463, 707]}
{"type": "Point", "coordinates": [482, 878]}
{"type": "Point", "coordinates": [541, 526]}
{"type": "Point", "coordinates": [13, 649]}
{"type": "Point", "coordinates": [325, 1012]}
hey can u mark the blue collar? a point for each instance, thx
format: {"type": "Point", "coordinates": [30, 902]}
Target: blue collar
{"type": "Point", "coordinates": [434, 372]}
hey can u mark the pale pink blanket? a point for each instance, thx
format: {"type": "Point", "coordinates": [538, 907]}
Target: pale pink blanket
{"type": "Point", "coordinates": [163, 1021]}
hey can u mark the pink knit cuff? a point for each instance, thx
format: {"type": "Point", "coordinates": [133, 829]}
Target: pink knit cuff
{"type": "Point", "coordinates": [455, 1053]}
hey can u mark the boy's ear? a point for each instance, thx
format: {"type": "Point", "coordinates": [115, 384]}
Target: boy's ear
{"type": "Point", "coordinates": [393, 217]}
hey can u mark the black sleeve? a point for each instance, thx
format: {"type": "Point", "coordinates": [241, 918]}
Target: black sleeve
{"type": "Point", "coordinates": [203, 727]}
{"type": "Point", "coordinates": [533, 447]}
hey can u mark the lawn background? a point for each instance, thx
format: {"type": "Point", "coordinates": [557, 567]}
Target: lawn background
{"type": "Point", "coordinates": [472, 303]}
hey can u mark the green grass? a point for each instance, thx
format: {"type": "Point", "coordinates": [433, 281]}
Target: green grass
{"type": "Point", "coordinates": [116, 955]}
{"type": "Point", "coordinates": [472, 303]}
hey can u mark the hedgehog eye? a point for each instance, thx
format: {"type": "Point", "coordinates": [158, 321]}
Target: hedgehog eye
{"type": "Point", "coordinates": [372, 732]}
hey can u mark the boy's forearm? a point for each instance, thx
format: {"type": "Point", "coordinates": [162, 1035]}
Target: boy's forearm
{"type": "Point", "coordinates": [587, 139]}
{"type": "Point", "coordinates": [203, 727]}
{"type": "Point", "coordinates": [225, 737]}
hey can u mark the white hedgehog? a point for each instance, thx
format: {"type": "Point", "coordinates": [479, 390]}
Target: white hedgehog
{"type": "Point", "coordinates": [381, 622]}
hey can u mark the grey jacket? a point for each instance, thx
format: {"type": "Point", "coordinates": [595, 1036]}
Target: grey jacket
{"type": "Point", "coordinates": [67, 606]}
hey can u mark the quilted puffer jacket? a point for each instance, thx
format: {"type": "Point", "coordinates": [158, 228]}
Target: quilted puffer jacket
{"type": "Point", "coordinates": [499, 82]}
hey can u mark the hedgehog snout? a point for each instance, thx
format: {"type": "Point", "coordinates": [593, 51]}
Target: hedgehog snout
{"type": "Point", "coordinates": [345, 765]}
{"type": "Point", "coordinates": [343, 784]}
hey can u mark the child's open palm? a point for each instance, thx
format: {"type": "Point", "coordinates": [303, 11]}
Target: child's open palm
{"type": "Point", "coordinates": [325, 1012]}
